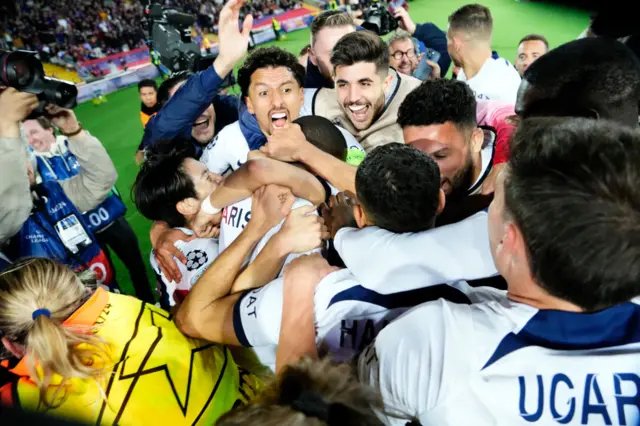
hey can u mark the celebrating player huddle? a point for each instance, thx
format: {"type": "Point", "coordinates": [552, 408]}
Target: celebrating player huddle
{"type": "Point", "coordinates": [466, 260]}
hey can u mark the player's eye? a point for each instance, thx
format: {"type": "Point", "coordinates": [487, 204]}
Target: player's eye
{"type": "Point", "coordinates": [263, 93]}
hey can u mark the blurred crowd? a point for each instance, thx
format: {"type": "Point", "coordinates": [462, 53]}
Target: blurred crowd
{"type": "Point", "coordinates": [67, 32]}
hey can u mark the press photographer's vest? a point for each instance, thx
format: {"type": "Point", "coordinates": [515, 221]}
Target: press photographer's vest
{"type": "Point", "coordinates": [156, 375]}
{"type": "Point", "coordinates": [64, 166]}
{"type": "Point", "coordinates": [382, 131]}
{"type": "Point", "coordinates": [56, 230]}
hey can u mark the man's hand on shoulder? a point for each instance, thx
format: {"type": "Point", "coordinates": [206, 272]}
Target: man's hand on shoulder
{"type": "Point", "coordinates": [339, 213]}
{"type": "Point", "coordinates": [166, 252]}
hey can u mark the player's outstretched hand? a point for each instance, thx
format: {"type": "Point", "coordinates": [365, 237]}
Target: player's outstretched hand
{"type": "Point", "coordinates": [285, 144]}
{"type": "Point", "coordinates": [339, 213]}
{"type": "Point", "coordinates": [233, 42]}
{"type": "Point", "coordinates": [303, 231]}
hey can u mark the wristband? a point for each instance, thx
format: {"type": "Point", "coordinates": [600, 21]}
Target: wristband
{"type": "Point", "coordinates": [76, 132]}
{"type": "Point", "coordinates": [208, 208]}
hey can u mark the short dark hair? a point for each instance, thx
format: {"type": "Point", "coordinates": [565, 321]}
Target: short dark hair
{"type": "Point", "coordinates": [147, 82]}
{"type": "Point", "coordinates": [474, 19]}
{"type": "Point", "coordinates": [535, 37]}
{"type": "Point", "coordinates": [399, 188]}
{"type": "Point", "coordinates": [438, 101]}
{"type": "Point", "coordinates": [361, 46]}
{"type": "Point", "coordinates": [268, 57]}
{"type": "Point", "coordinates": [329, 19]}
{"type": "Point", "coordinates": [324, 135]}
{"type": "Point", "coordinates": [162, 181]}
{"type": "Point", "coordinates": [170, 83]}
{"type": "Point", "coordinates": [587, 74]}
{"type": "Point", "coordinates": [572, 190]}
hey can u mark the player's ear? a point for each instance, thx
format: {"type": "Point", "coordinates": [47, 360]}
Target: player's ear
{"type": "Point", "coordinates": [360, 216]}
{"type": "Point", "coordinates": [477, 140]}
{"type": "Point", "coordinates": [312, 57]}
{"type": "Point", "coordinates": [441, 201]}
{"type": "Point", "coordinates": [188, 206]}
{"type": "Point", "coordinates": [15, 349]}
{"type": "Point", "coordinates": [249, 105]}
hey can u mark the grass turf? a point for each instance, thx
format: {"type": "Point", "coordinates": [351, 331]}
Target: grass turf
{"type": "Point", "coordinates": [117, 123]}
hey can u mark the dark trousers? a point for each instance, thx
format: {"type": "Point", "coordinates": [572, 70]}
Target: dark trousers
{"type": "Point", "coordinates": [120, 238]}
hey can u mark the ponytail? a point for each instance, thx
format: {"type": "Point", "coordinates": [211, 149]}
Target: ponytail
{"type": "Point", "coordinates": [36, 297]}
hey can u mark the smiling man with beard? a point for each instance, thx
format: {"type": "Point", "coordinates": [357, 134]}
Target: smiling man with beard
{"type": "Point", "coordinates": [367, 92]}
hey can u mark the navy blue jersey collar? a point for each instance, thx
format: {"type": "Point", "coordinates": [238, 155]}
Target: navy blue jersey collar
{"type": "Point", "coordinates": [615, 326]}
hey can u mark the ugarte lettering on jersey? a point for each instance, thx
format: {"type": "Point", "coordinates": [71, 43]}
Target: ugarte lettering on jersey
{"type": "Point", "coordinates": [236, 217]}
{"type": "Point", "coordinates": [567, 397]}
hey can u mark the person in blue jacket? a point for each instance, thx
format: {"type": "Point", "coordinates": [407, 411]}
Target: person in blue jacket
{"type": "Point", "coordinates": [107, 222]}
{"type": "Point", "coordinates": [193, 107]}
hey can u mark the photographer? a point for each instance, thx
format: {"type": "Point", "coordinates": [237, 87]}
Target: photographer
{"type": "Point", "coordinates": [55, 162]}
{"type": "Point", "coordinates": [196, 104]}
{"type": "Point", "coordinates": [428, 34]}
{"type": "Point", "coordinates": [44, 220]}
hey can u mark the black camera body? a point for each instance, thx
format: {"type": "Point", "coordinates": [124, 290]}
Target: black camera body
{"type": "Point", "coordinates": [170, 33]}
{"type": "Point", "coordinates": [378, 19]}
{"type": "Point", "coordinates": [23, 71]}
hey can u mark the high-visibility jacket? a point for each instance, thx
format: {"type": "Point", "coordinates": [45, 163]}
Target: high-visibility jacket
{"type": "Point", "coordinates": [156, 375]}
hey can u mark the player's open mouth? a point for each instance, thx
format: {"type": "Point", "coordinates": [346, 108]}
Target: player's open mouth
{"type": "Point", "coordinates": [279, 120]}
{"type": "Point", "coordinates": [359, 112]}
{"type": "Point", "coordinates": [203, 122]}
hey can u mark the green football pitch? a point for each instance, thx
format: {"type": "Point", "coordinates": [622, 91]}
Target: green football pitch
{"type": "Point", "coordinates": [117, 123]}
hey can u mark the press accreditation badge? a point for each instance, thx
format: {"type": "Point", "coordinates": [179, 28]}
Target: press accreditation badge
{"type": "Point", "coordinates": [72, 233]}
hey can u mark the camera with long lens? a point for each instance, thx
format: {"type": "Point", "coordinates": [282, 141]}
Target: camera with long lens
{"type": "Point", "coordinates": [23, 71]}
{"type": "Point", "coordinates": [170, 33]}
{"type": "Point", "coordinates": [378, 18]}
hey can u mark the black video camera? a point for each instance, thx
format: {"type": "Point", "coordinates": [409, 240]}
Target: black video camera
{"type": "Point", "coordinates": [170, 33]}
{"type": "Point", "coordinates": [23, 71]}
{"type": "Point", "coordinates": [378, 18]}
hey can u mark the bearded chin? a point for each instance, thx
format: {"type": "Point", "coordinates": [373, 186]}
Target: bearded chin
{"type": "Point", "coordinates": [462, 181]}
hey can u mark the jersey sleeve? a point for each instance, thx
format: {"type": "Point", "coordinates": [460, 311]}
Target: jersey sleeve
{"type": "Point", "coordinates": [379, 258]}
{"type": "Point", "coordinates": [355, 151]}
{"type": "Point", "coordinates": [257, 315]}
{"type": "Point", "coordinates": [307, 105]}
{"type": "Point", "coordinates": [215, 156]}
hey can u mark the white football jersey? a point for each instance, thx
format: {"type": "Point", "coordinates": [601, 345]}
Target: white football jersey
{"type": "Point", "coordinates": [200, 253]}
{"type": "Point", "coordinates": [497, 80]}
{"type": "Point", "coordinates": [229, 148]}
{"type": "Point", "coordinates": [236, 217]}
{"type": "Point", "coordinates": [350, 309]}
{"type": "Point", "coordinates": [227, 151]}
{"type": "Point", "coordinates": [506, 363]}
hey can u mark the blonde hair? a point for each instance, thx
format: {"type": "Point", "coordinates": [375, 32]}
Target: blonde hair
{"type": "Point", "coordinates": [311, 393]}
{"type": "Point", "coordinates": [69, 352]}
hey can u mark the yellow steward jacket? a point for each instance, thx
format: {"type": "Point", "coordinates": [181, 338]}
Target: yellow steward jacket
{"type": "Point", "coordinates": [157, 376]}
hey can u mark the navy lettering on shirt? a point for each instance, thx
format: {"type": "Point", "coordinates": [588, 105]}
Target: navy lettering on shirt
{"type": "Point", "coordinates": [592, 409]}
